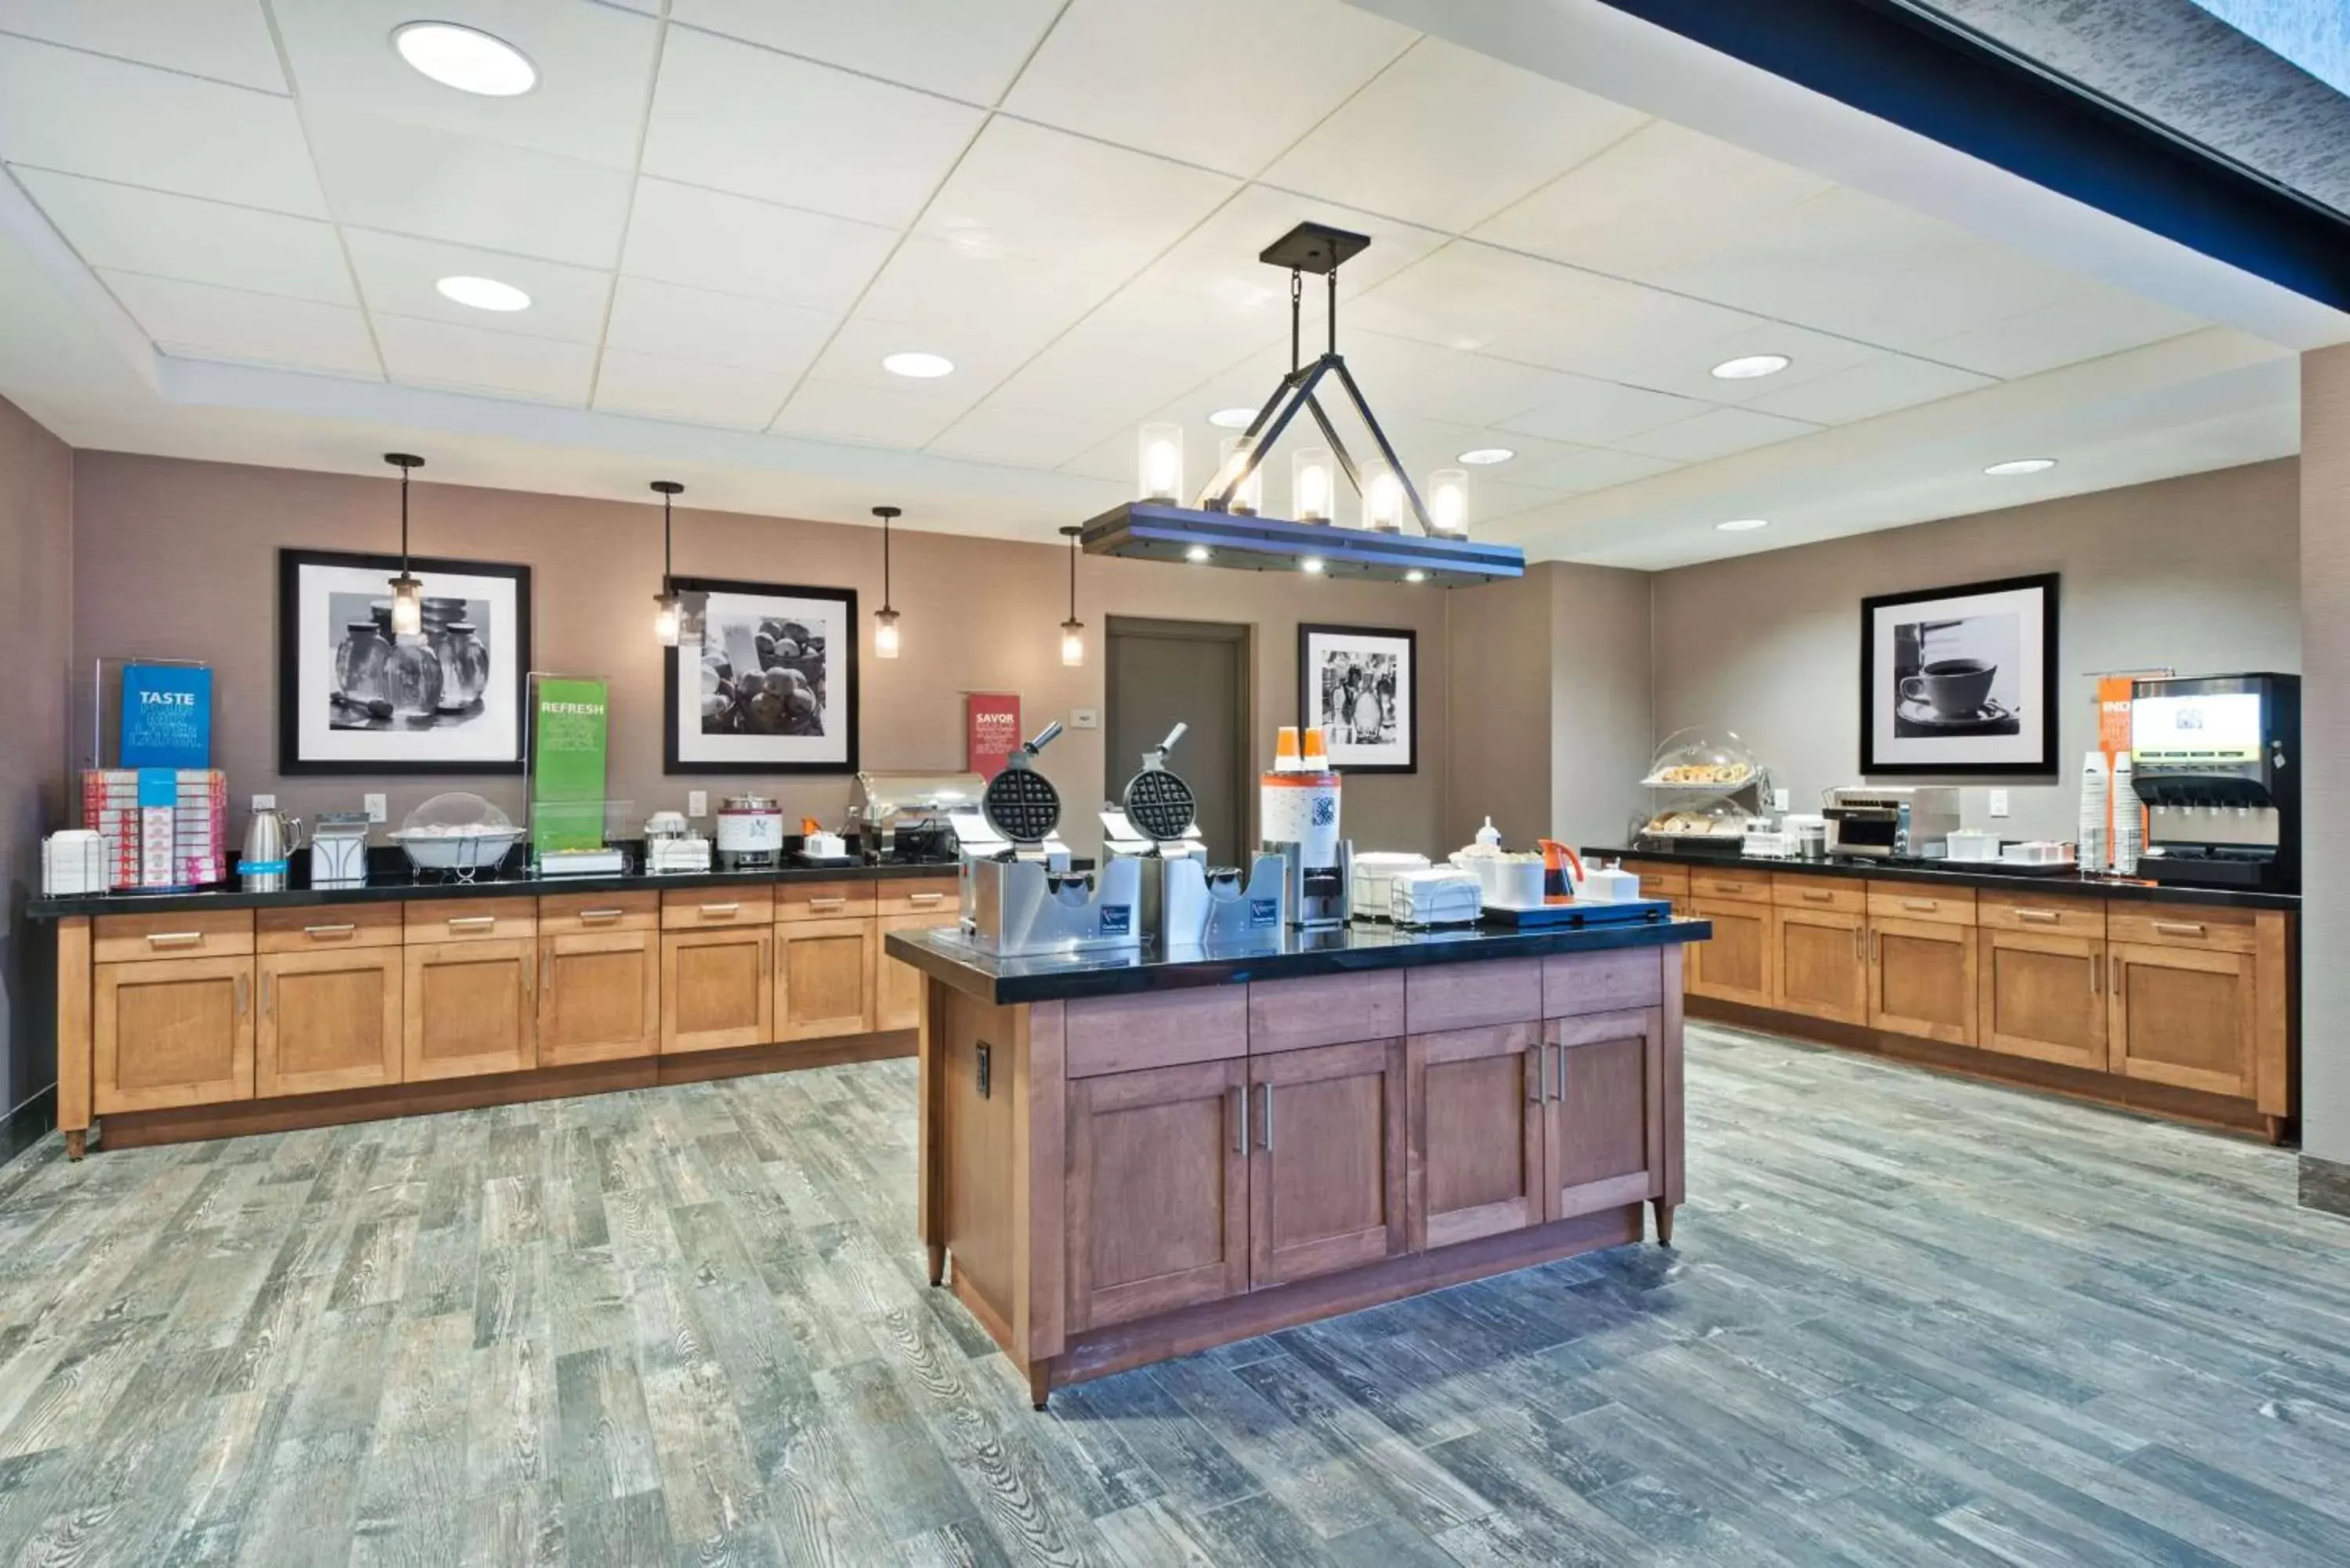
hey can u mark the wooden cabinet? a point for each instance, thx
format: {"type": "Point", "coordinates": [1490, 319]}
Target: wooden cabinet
{"type": "Point", "coordinates": [599, 995]}
{"type": "Point", "coordinates": [171, 1032]}
{"type": "Point", "coordinates": [2042, 994]}
{"type": "Point", "coordinates": [717, 988]}
{"type": "Point", "coordinates": [1604, 1134]}
{"type": "Point", "coordinates": [1818, 959]}
{"type": "Point", "coordinates": [1327, 1171]}
{"type": "Point", "coordinates": [1735, 964]}
{"type": "Point", "coordinates": [470, 1007]}
{"type": "Point", "coordinates": [823, 978]}
{"type": "Point", "coordinates": [1476, 1127]}
{"type": "Point", "coordinates": [2182, 1015]}
{"type": "Point", "coordinates": [1921, 977]}
{"type": "Point", "coordinates": [898, 987]}
{"type": "Point", "coordinates": [329, 1019]}
{"type": "Point", "coordinates": [1158, 1191]}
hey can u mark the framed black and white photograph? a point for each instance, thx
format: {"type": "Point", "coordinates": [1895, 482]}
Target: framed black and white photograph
{"type": "Point", "coordinates": [1960, 679]}
{"type": "Point", "coordinates": [354, 698]}
{"type": "Point", "coordinates": [771, 686]}
{"type": "Point", "coordinates": [1360, 685]}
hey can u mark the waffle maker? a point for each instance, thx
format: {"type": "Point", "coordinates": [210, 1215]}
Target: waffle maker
{"type": "Point", "coordinates": [1019, 895]}
{"type": "Point", "coordinates": [1185, 901]}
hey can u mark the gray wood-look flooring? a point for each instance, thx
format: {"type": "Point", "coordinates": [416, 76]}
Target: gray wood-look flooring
{"type": "Point", "coordinates": [1912, 1322]}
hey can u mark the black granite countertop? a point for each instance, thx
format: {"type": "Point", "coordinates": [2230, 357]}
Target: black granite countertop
{"type": "Point", "coordinates": [1966, 877]}
{"type": "Point", "coordinates": [946, 957]}
{"type": "Point", "coordinates": [391, 887]}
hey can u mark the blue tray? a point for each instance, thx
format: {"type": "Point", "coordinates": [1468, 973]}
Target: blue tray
{"type": "Point", "coordinates": [1544, 917]}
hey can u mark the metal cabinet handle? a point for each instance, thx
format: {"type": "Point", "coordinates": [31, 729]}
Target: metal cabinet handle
{"type": "Point", "coordinates": [1928, 905]}
{"type": "Point", "coordinates": [1239, 1123]}
{"type": "Point", "coordinates": [265, 995]}
{"type": "Point", "coordinates": [832, 903]}
{"type": "Point", "coordinates": [1876, 948]}
{"type": "Point", "coordinates": [1559, 1092]}
{"type": "Point", "coordinates": [472, 922]}
{"type": "Point", "coordinates": [1859, 944]}
{"type": "Point", "coordinates": [1535, 1074]}
{"type": "Point", "coordinates": [1268, 1118]}
{"type": "Point", "coordinates": [547, 973]}
{"type": "Point", "coordinates": [1819, 897]}
{"type": "Point", "coordinates": [2113, 977]}
{"type": "Point", "coordinates": [243, 993]}
{"type": "Point", "coordinates": [2040, 917]}
{"type": "Point", "coordinates": [720, 912]}
{"type": "Point", "coordinates": [320, 932]}
{"type": "Point", "coordinates": [924, 897]}
{"type": "Point", "coordinates": [587, 915]}
{"type": "Point", "coordinates": [2178, 929]}
{"type": "Point", "coordinates": [2097, 977]}
{"type": "Point", "coordinates": [175, 939]}
{"type": "Point", "coordinates": [1558, 1074]}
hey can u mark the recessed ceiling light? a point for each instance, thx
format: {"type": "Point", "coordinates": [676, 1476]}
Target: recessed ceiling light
{"type": "Point", "coordinates": [923, 367]}
{"type": "Point", "coordinates": [1744, 525]}
{"type": "Point", "coordinates": [1414, 575]}
{"type": "Point", "coordinates": [465, 58]}
{"type": "Point", "coordinates": [2022, 465]}
{"type": "Point", "coordinates": [1231, 418]}
{"type": "Point", "coordinates": [1748, 366]}
{"type": "Point", "coordinates": [1311, 564]}
{"type": "Point", "coordinates": [483, 293]}
{"type": "Point", "coordinates": [1480, 455]}
{"type": "Point", "coordinates": [1196, 554]}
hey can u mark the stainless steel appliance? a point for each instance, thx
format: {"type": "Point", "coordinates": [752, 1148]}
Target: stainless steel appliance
{"type": "Point", "coordinates": [2215, 758]}
{"type": "Point", "coordinates": [270, 840]}
{"type": "Point", "coordinates": [1298, 807]}
{"type": "Point", "coordinates": [1187, 903]}
{"type": "Point", "coordinates": [750, 833]}
{"type": "Point", "coordinates": [338, 850]}
{"type": "Point", "coordinates": [1021, 898]}
{"type": "Point", "coordinates": [909, 816]}
{"type": "Point", "coordinates": [1912, 821]}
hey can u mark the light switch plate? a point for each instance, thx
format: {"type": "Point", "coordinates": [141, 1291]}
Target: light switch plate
{"type": "Point", "coordinates": [1999, 802]}
{"type": "Point", "coordinates": [377, 811]}
{"type": "Point", "coordinates": [1085, 718]}
{"type": "Point", "coordinates": [1783, 800]}
{"type": "Point", "coordinates": [697, 803]}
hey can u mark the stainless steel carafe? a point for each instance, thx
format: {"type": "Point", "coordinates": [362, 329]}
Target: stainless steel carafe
{"type": "Point", "coordinates": [270, 840]}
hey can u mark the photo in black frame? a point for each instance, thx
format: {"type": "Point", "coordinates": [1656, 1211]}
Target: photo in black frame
{"type": "Point", "coordinates": [771, 688]}
{"type": "Point", "coordinates": [1961, 680]}
{"type": "Point", "coordinates": [1361, 684]}
{"type": "Point", "coordinates": [352, 699]}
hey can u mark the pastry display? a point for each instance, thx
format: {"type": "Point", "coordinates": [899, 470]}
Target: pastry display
{"type": "Point", "coordinates": [1694, 823]}
{"type": "Point", "coordinates": [1692, 774]}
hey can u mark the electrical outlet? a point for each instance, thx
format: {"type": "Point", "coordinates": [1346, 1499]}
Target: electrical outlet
{"type": "Point", "coordinates": [1999, 802]}
{"type": "Point", "coordinates": [697, 803]}
{"type": "Point", "coordinates": [377, 811]}
{"type": "Point", "coordinates": [1085, 719]}
{"type": "Point", "coordinates": [1783, 800]}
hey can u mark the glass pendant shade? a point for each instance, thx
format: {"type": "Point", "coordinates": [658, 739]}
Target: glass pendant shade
{"type": "Point", "coordinates": [1159, 462]}
{"type": "Point", "coordinates": [1072, 643]}
{"type": "Point", "coordinates": [1310, 487]}
{"type": "Point", "coordinates": [1448, 501]}
{"type": "Point", "coordinates": [1382, 496]}
{"type": "Point", "coordinates": [668, 616]}
{"type": "Point", "coordinates": [1248, 500]}
{"type": "Point", "coordinates": [407, 605]}
{"type": "Point", "coordinates": [884, 633]}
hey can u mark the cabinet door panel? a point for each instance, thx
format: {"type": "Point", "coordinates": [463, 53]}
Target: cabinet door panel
{"type": "Point", "coordinates": [718, 988]}
{"type": "Point", "coordinates": [823, 978]}
{"type": "Point", "coordinates": [1734, 963]}
{"type": "Point", "coordinates": [1921, 979]}
{"type": "Point", "coordinates": [329, 1019]}
{"type": "Point", "coordinates": [599, 995]}
{"type": "Point", "coordinates": [172, 1031]}
{"type": "Point", "coordinates": [898, 987]}
{"type": "Point", "coordinates": [471, 1007]}
{"type": "Point", "coordinates": [1820, 970]}
{"type": "Point", "coordinates": [2041, 996]}
{"type": "Point", "coordinates": [1158, 1191]}
{"type": "Point", "coordinates": [2183, 1016]}
{"type": "Point", "coordinates": [1476, 1130]}
{"type": "Point", "coordinates": [1326, 1180]}
{"type": "Point", "coordinates": [1604, 1140]}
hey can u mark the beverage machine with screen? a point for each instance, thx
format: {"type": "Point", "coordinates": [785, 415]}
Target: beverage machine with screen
{"type": "Point", "coordinates": [2217, 760]}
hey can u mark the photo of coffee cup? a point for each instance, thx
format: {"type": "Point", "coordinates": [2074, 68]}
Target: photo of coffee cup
{"type": "Point", "coordinates": [1952, 688]}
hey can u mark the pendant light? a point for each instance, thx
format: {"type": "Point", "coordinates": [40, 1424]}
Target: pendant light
{"type": "Point", "coordinates": [1073, 630]}
{"type": "Point", "coordinates": [407, 592]}
{"type": "Point", "coordinates": [668, 609]}
{"type": "Point", "coordinates": [885, 620]}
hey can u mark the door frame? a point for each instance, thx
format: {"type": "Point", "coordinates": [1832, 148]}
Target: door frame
{"type": "Point", "coordinates": [1240, 635]}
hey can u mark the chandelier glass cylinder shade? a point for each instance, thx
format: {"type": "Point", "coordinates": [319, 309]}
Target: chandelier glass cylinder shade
{"type": "Point", "coordinates": [407, 590]}
{"type": "Point", "coordinates": [1073, 630]}
{"type": "Point", "coordinates": [669, 609]}
{"type": "Point", "coordinates": [885, 620]}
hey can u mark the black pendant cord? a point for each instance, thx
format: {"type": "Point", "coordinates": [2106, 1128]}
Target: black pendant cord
{"type": "Point", "coordinates": [1073, 577]}
{"type": "Point", "coordinates": [403, 522]}
{"type": "Point", "coordinates": [667, 560]}
{"type": "Point", "coordinates": [1332, 312]}
{"type": "Point", "coordinates": [1296, 309]}
{"type": "Point", "coordinates": [885, 563]}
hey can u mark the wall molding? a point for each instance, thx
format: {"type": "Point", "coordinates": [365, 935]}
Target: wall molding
{"type": "Point", "coordinates": [2325, 1185]}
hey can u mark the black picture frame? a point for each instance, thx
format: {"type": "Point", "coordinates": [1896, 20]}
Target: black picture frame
{"type": "Point", "coordinates": [850, 641]}
{"type": "Point", "coordinates": [1396, 757]}
{"type": "Point", "coordinates": [292, 761]}
{"type": "Point", "coordinates": [1981, 747]}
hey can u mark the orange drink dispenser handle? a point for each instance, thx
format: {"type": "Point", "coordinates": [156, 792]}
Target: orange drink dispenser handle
{"type": "Point", "coordinates": [1555, 883]}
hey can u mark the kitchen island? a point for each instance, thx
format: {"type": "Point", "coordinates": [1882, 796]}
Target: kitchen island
{"type": "Point", "coordinates": [1129, 1157]}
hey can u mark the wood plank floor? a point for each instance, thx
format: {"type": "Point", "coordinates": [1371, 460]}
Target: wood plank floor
{"type": "Point", "coordinates": [1912, 1322]}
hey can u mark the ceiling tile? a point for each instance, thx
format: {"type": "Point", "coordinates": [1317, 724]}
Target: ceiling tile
{"type": "Point", "coordinates": [227, 40]}
{"type": "Point", "coordinates": [1630, 332]}
{"type": "Point", "coordinates": [1472, 297]}
{"type": "Point", "coordinates": [1717, 432]}
{"type": "Point", "coordinates": [61, 109]}
{"type": "Point", "coordinates": [717, 330]}
{"type": "Point", "coordinates": [440, 354]}
{"type": "Point", "coordinates": [199, 320]}
{"type": "Point", "coordinates": [1876, 386]}
{"type": "Point", "coordinates": [1219, 257]}
{"type": "Point", "coordinates": [595, 69]}
{"type": "Point", "coordinates": [1447, 137]}
{"type": "Point", "coordinates": [1421, 379]}
{"type": "Point", "coordinates": [1584, 469]}
{"type": "Point", "coordinates": [1833, 261]}
{"type": "Point", "coordinates": [397, 275]}
{"type": "Point", "coordinates": [934, 284]}
{"type": "Point", "coordinates": [983, 352]}
{"type": "Point", "coordinates": [1025, 191]}
{"type": "Point", "coordinates": [2090, 327]}
{"type": "Point", "coordinates": [1586, 412]}
{"type": "Point", "coordinates": [410, 179]}
{"type": "Point", "coordinates": [1142, 348]}
{"type": "Point", "coordinates": [910, 414]}
{"type": "Point", "coordinates": [692, 393]}
{"type": "Point", "coordinates": [950, 46]}
{"type": "Point", "coordinates": [1491, 500]}
{"type": "Point", "coordinates": [708, 239]}
{"type": "Point", "coordinates": [1021, 437]}
{"type": "Point", "coordinates": [163, 235]}
{"type": "Point", "coordinates": [1131, 71]}
{"type": "Point", "coordinates": [762, 124]}
{"type": "Point", "coordinates": [1973, 286]}
{"type": "Point", "coordinates": [1686, 367]}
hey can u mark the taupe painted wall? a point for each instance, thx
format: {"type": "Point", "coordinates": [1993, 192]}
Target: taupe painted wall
{"type": "Point", "coordinates": [1499, 762]}
{"type": "Point", "coordinates": [2325, 750]}
{"type": "Point", "coordinates": [1601, 720]}
{"type": "Point", "coordinates": [35, 604]}
{"type": "Point", "coordinates": [2201, 573]}
{"type": "Point", "coordinates": [179, 559]}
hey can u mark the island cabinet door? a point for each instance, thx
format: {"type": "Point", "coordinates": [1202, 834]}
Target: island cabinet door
{"type": "Point", "coordinates": [328, 1020]}
{"type": "Point", "coordinates": [1604, 1134]}
{"type": "Point", "coordinates": [2183, 1016]}
{"type": "Point", "coordinates": [718, 988]}
{"type": "Point", "coordinates": [2042, 995]}
{"type": "Point", "coordinates": [1921, 980]}
{"type": "Point", "coordinates": [1326, 1176]}
{"type": "Point", "coordinates": [470, 1007]}
{"type": "Point", "coordinates": [1734, 964]}
{"type": "Point", "coordinates": [1476, 1120]}
{"type": "Point", "coordinates": [823, 978]}
{"type": "Point", "coordinates": [1158, 1188]}
{"type": "Point", "coordinates": [171, 1032]}
{"type": "Point", "coordinates": [1819, 959]}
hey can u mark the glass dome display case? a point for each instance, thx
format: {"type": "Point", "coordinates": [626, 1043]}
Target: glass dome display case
{"type": "Point", "coordinates": [458, 834]}
{"type": "Point", "coordinates": [1708, 793]}
{"type": "Point", "coordinates": [1691, 762]}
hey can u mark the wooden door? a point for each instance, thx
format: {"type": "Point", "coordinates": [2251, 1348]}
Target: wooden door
{"type": "Point", "coordinates": [1820, 967]}
{"type": "Point", "coordinates": [2183, 1016]}
{"type": "Point", "coordinates": [329, 1019]}
{"type": "Point", "coordinates": [1734, 964]}
{"type": "Point", "coordinates": [1327, 1173]}
{"type": "Point", "coordinates": [1921, 979]}
{"type": "Point", "coordinates": [718, 988]}
{"type": "Point", "coordinates": [2042, 995]}
{"type": "Point", "coordinates": [823, 978]}
{"type": "Point", "coordinates": [1604, 1143]}
{"type": "Point", "coordinates": [171, 1032]}
{"type": "Point", "coordinates": [471, 1007]}
{"type": "Point", "coordinates": [1157, 1202]}
{"type": "Point", "coordinates": [1476, 1133]}
{"type": "Point", "coordinates": [598, 996]}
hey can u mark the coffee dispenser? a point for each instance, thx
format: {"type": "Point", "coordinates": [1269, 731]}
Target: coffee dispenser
{"type": "Point", "coordinates": [2215, 759]}
{"type": "Point", "coordinates": [1298, 806]}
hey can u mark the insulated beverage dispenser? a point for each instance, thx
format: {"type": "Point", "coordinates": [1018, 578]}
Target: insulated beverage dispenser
{"type": "Point", "coordinates": [2217, 760]}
